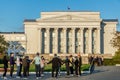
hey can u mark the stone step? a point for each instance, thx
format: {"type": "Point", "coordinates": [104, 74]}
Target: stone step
{"type": "Point", "coordinates": [117, 64]}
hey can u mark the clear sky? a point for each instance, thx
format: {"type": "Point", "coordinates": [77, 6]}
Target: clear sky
{"type": "Point", "coordinates": [13, 12]}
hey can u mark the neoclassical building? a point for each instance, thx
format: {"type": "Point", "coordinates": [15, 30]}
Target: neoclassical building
{"type": "Point", "coordinates": [69, 32]}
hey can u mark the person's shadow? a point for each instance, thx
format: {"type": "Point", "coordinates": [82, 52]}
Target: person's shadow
{"type": "Point", "coordinates": [94, 72]}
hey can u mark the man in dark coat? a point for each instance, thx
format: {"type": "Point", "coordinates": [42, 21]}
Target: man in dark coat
{"type": "Point", "coordinates": [12, 62]}
{"type": "Point", "coordinates": [76, 62]}
{"type": "Point", "coordinates": [90, 58]}
{"type": "Point", "coordinates": [55, 64]}
{"type": "Point", "coordinates": [5, 62]}
{"type": "Point", "coordinates": [67, 62]}
{"type": "Point", "coordinates": [20, 67]}
{"type": "Point", "coordinates": [79, 63]}
{"type": "Point", "coordinates": [24, 63]}
{"type": "Point", "coordinates": [28, 65]}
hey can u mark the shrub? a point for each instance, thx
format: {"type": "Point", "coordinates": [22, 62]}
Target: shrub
{"type": "Point", "coordinates": [117, 55]}
{"type": "Point", "coordinates": [108, 62]}
{"type": "Point", "coordinates": [1, 61]}
{"type": "Point", "coordinates": [115, 60]}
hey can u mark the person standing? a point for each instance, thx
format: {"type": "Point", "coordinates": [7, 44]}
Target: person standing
{"type": "Point", "coordinates": [59, 69]}
{"type": "Point", "coordinates": [55, 65]}
{"type": "Point", "coordinates": [71, 65]}
{"type": "Point", "coordinates": [76, 65]}
{"type": "Point", "coordinates": [24, 63]}
{"type": "Point", "coordinates": [37, 65]}
{"type": "Point", "coordinates": [102, 60]}
{"type": "Point", "coordinates": [90, 58]}
{"type": "Point", "coordinates": [42, 65]}
{"type": "Point", "coordinates": [18, 65]}
{"type": "Point", "coordinates": [12, 62]}
{"type": "Point", "coordinates": [5, 62]}
{"type": "Point", "coordinates": [79, 63]}
{"type": "Point", "coordinates": [67, 62]}
{"type": "Point", "coordinates": [99, 61]}
{"type": "Point", "coordinates": [92, 66]}
{"type": "Point", "coordinates": [28, 65]}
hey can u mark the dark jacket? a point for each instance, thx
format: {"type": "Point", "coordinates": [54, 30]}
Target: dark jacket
{"type": "Point", "coordinates": [80, 61]}
{"type": "Point", "coordinates": [12, 62]}
{"type": "Point", "coordinates": [76, 62]}
{"type": "Point", "coordinates": [24, 62]}
{"type": "Point", "coordinates": [5, 62]}
{"type": "Point", "coordinates": [67, 62]}
{"type": "Point", "coordinates": [56, 62]}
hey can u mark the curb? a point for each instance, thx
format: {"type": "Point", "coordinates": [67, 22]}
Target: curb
{"type": "Point", "coordinates": [117, 65]}
{"type": "Point", "coordinates": [83, 72]}
{"type": "Point", "coordinates": [62, 72]}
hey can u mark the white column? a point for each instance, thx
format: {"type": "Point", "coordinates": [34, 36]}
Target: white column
{"type": "Point", "coordinates": [48, 40]}
{"type": "Point", "coordinates": [98, 41]}
{"type": "Point", "coordinates": [90, 41]}
{"type": "Point", "coordinates": [56, 40]}
{"type": "Point", "coordinates": [65, 36]}
{"type": "Point", "coordinates": [81, 40]}
{"type": "Point", "coordinates": [73, 40]}
{"type": "Point", "coordinates": [40, 39]}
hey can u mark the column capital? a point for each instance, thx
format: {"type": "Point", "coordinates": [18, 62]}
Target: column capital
{"type": "Point", "coordinates": [64, 28]}
{"type": "Point", "coordinates": [81, 28]}
{"type": "Point", "coordinates": [73, 28]}
{"type": "Point", "coordinates": [90, 28]}
{"type": "Point", "coordinates": [56, 28]}
{"type": "Point", "coordinates": [99, 28]}
{"type": "Point", "coordinates": [47, 28]}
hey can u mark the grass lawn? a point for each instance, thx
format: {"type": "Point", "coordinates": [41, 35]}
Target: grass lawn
{"type": "Point", "coordinates": [48, 67]}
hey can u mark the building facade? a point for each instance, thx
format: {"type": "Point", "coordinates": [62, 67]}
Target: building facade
{"type": "Point", "coordinates": [17, 41]}
{"type": "Point", "coordinates": [69, 32]}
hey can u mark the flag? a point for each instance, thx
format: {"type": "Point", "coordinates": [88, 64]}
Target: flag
{"type": "Point", "coordinates": [68, 8]}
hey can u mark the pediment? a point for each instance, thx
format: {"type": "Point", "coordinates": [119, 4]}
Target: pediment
{"type": "Point", "coordinates": [68, 17]}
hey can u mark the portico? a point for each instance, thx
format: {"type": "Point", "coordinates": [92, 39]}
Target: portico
{"type": "Point", "coordinates": [69, 40]}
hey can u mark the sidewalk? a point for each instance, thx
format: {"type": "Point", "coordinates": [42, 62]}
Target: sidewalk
{"type": "Point", "coordinates": [100, 73]}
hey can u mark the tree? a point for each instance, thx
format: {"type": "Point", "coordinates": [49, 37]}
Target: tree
{"type": "Point", "coordinates": [3, 44]}
{"type": "Point", "coordinates": [116, 40]}
{"type": "Point", "coordinates": [116, 44]}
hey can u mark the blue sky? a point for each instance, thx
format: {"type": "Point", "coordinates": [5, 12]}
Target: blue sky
{"type": "Point", "coordinates": [13, 12]}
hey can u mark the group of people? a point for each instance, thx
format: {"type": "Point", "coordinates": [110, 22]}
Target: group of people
{"type": "Point", "coordinates": [23, 63]}
{"type": "Point", "coordinates": [95, 60]}
{"type": "Point", "coordinates": [72, 63]}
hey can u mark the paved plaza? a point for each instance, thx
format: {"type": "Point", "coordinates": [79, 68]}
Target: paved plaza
{"type": "Point", "coordinates": [100, 73]}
